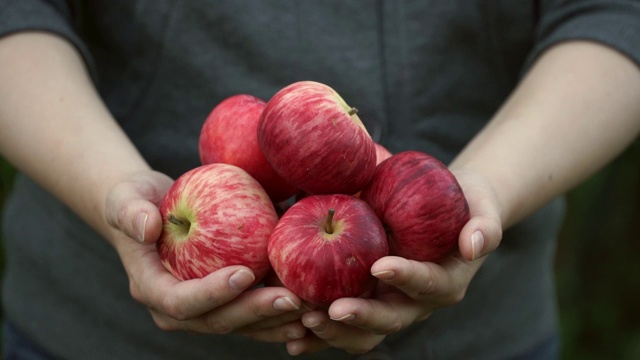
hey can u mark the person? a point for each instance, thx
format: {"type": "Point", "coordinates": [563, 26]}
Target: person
{"type": "Point", "coordinates": [101, 104]}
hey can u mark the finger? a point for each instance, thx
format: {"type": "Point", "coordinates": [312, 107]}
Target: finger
{"type": "Point", "coordinates": [132, 206]}
{"type": "Point", "coordinates": [183, 300]}
{"type": "Point", "coordinates": [480, 236]}
{"type": "Point", "coordinates": [443, 284]}
{"type": "Point", "coordinates": [310, 343]}
{"type": "Point", "coordinates": [275, 320]}
{"type": "Point", "coordinates": [247, 309]}
{"type": "Point", "coordinates": [137, 218]}
{"type": "Point", "coordinates": [394, 313]}
{"type": "Point", "coordinates": [483, 232]}
{"type": "Point", "coordinates": [349, 338]}
{"type": "Point", "coordinates": [293, 330]}
{"type": "Point", "coordinates": [257, 309]}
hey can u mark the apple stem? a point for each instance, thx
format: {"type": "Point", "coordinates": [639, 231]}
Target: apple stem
{"type": "Point", "coordinates": [329, 225]}
{"type": "Point", "coordinates": [352, 111]}
{"type": "Point", "coordinates": [174, 220]}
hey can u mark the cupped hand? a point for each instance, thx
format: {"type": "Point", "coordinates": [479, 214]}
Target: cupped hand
{"type": "Point", "coordinates": [409, 291]}
{"type": "Point", "coordinates": [219, 303]}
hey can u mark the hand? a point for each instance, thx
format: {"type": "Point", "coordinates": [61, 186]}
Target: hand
{"type": "Point", "coordinates": [408, 291]}
{"type": "Point", "coordinates": [218, 303]}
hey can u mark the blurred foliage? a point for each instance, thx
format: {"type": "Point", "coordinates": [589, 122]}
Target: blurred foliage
{"type": "Point", "coordinates": [597, 267]}
{"type": "Point", "coordinates": [7, 173]}
{"type": "Point", "coordinates": [6, 181]}
{"type": "Point", "coordinates": [598, 274]}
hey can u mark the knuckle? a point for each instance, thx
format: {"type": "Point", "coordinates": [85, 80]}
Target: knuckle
{"type": "Point", "coordinates": [258, 313]}
{"type": "Point", "coordinates": [401, 280]}
{"type": "Point", "coordinates": [136, 294]}
{"type": "Point", "coordinates": [218, 327]}
{"type": "Point", "coordinates": [162, 324]}
{"type": "Point", "coordinates": [393, 327]}
{"type": "Point", "coordinates": [173, 309]}
{"type": "Point", "coordinates": [430, 284]}
{"type": "Point", "coordinates": [428, 287]}
{"type": "Point", "coordinates": [258, 310]}
{"type": "Point", "coordinates": [457, 297]}
{"type": "Point", "coordinates": [216, 296]}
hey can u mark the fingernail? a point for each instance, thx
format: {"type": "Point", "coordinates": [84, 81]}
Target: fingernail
{"type": "Point", "coordinates": [385, 275]}
{"type": "Point", "coordinates": [295, 349]}
{"type": "Point", "coordinates": [318, 328]}
{"type": "Point", "coordinates": [347, 318]}
{"type": "Point", "coordinates": [294, 335]}
{"type": "Point", "coordinates": [477, 243]}
{"type": "Point", "coordinates": [241, 280]}
{"type": "Point", "coordinates": [285, 304]}
{"type": "Point", "coordinates": [141, 225]}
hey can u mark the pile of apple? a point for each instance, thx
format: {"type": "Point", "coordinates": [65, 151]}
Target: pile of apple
{"type": "Point", "coordinates": [359, 202]}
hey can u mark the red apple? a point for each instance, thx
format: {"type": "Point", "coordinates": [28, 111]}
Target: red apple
{"type": "Point", "coordinates": [315, 141]}
{"type": "Point", "coordinates": [382, 153]}
{"type": "Point", "coordinates": [420, 204]}
{"type": "Point", "coordinates": [229, 135]}
{"type": "Point", "coordinates": [215, 216]}
{"type": "Point", "coordinates": [324, 246]}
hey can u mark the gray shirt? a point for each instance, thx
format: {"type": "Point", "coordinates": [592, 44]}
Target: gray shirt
{"type": "Point", "coordinates": [425, 75]}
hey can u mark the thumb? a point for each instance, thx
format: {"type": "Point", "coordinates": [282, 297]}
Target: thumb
{"type": "Point", "coordinates": [483, 232]}
{"type": "Point", "coordinates": [480, 236]}
{"type": "Point", "coordinates": [132, 205]}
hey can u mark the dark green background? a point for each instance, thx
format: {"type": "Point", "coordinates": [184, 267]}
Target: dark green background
{"type": "Point", "coordinates": [598, 271]}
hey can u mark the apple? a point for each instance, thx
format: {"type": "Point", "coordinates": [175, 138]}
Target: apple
{"type": "Point", "coordinates": [229, 135]}
{"type": "Point", "coordinates": [315, 141]}
{"type": "Point", "coordinates": [324, 246]}
{"type": "Point", "coordinates": [420, 204]}
{"type": "Point", "coordinates": [382, 153]}
{"type": "Point", "coordinates": [215, 216]}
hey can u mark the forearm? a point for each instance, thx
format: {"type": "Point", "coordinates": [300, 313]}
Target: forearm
{"type": "Point", "coordinates": [55, 127]}
{"type": "Point", "coordinates": [573, 113]}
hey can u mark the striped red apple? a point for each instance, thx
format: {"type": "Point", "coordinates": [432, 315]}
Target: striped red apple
{"type": "Point", "coordinates": [229, 135]}
{"type": "Point", "coordinates": [315, 141]}
{"type": "Point", "coordinates": [324, 246]}
{"type": "Point", "coordinates": [382, 153]}
{"type": "Point", "coordinates": [420, 204]}
{"type": "Point", "coordinates": [215, 216]}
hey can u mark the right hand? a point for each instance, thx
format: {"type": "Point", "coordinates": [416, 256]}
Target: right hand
{"type": "Point", "coordinates": [218, 303]}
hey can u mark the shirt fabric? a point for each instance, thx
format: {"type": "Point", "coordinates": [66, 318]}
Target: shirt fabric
{"type": "Point", "coordinates": [425, 75]}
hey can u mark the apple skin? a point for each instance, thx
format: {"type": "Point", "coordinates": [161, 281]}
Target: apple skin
{"type": "Point", "coordinates": [382, 153]}
{"type": "Point", "coordinates": [420, 204]}
{"type": "Point", "coordinates": [229, 135]}
{"type": "Point", "coordinates": [309, 137]}
{"type": "Point", "coordinates": [321, 267]}
{"type": "Point", "coordinates": [226, 217]}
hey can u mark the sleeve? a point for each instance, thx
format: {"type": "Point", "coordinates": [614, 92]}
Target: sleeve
{"type": "Point", "coordinates": [53, 16]}
{"type": "Point", "coordinates": [615, 23]}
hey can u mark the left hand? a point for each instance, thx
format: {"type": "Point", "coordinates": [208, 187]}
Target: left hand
{"type": "Point", "coordinates": [408, 291]}
{"type": "Point", "coordinates": [218, 303]}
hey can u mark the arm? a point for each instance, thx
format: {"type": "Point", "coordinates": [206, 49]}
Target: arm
{"type": "Point", "coordinates": [56, 130]}
{"type": "Point", "coordinates": [53, 122]}
{"type": "Point", "coordinates": [576, 109]}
